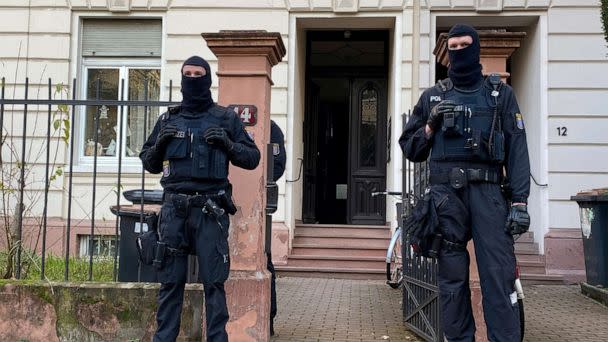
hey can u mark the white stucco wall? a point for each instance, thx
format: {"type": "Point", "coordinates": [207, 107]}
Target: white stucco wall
{"type": "Point", "coordinates": [565, 43]}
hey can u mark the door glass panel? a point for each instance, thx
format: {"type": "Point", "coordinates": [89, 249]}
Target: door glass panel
{"type": "Point", "coordinates": [108, 90]}
{"type": "Point", "coordinates": [368, 127]}
{"type": "Point", "coordinates": [139, 79]}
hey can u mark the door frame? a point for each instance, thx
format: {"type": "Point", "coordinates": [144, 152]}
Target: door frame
{"type": "Point", "coordinates": [350, 72]}
{"type": "Point", "coordinates": [399, 94]}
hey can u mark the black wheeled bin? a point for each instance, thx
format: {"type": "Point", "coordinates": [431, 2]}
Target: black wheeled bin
{"type": "Point", "coordinates": [130, 269]}
{"type": "Point", "coordinates": [594, 226]}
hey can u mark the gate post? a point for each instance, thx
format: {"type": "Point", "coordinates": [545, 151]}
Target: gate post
{"type": "Point", "coordinates": [245, 61]}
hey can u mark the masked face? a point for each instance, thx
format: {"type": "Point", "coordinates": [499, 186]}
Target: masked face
{"type": "Point", "coordinates": [196, 84]}
{"type": "Point", "coordinates": [463, 52]}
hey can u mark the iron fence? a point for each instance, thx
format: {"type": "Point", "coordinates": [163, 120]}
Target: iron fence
{"type": "Point", "coordinates": [421, 307]}
{"type": "Point", "coordinates": [70, 107]}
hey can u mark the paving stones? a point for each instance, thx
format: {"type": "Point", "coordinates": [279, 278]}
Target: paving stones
{"type": "Point", "coordinates": [314, 309]}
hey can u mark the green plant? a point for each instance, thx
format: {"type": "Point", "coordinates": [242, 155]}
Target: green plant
{"type": "Point", "coordinates": [15, 207]}
{"type": "Point", "coordinates": [103, 269]}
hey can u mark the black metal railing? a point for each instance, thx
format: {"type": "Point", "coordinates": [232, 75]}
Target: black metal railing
{"type": "Point", "coordinates": [421, 307]}
{"type": "Point", "coordinates": [69, 108]}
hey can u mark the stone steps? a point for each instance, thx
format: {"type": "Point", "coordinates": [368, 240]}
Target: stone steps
{"type": "Point", "coordinates": [330, 272]}
{"type": "Point", "coordinates": [359, 252]}
{"type": "Point", "coordinates": [338, 251]}
{"type": "Point", "coordinates": [338, 261]}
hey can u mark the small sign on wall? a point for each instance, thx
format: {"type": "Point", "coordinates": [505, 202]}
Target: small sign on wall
{"type": "Point", "coordinates": [120, 5]}
{"type": "Point", "coordinates": [247, 113]}
{"type": "Point", "coordinates": [341, 191]}
{"type": "Point", "coordinates": [489, 5]}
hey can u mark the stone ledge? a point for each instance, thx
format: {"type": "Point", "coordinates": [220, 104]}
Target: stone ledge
{"type": "Point", "coordinates": [597, 293]}
{"type": "Point", "coordinates": [37, 311]}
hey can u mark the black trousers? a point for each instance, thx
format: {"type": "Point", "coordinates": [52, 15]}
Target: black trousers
{"type": "Point", "coordinates": [476, 211]}
{"type": "Point", "coordinates": [198, 233]}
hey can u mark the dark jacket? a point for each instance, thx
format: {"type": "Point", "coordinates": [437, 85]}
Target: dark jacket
{"type": "Point", "coordinates": [417, 146]}
{"type": "Point", "coordinates": [245, 153]}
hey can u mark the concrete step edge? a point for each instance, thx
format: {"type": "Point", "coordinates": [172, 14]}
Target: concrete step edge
{"type": "Point", "coordinates": [341, 226]}
{"type": "Point", "coordinates": [326, 246]}
{"type": "Point", "coordinates": [340, 236]}
{"type": "Point", "coordinates": [335, 257]}
{"type": "Point", "coordinates": [529, 276]}
{"type": "Point", "coordinates": [529, 263]}
{"type": "Point", "coordinates": [328, 270]}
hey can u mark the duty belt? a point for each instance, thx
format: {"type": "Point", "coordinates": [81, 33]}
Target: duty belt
{"type": "Point", "coordinates": [459, 177]}
{"type": "Point", "coordinates": [194, 200]}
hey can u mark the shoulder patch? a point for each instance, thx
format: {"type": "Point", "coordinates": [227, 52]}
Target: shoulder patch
{"type": "Point", "coordinates": [174, 109]}
{"type": "Point", "coordinates": [276, 150]}
{"type": "Point", "coordinates": [519, 120]}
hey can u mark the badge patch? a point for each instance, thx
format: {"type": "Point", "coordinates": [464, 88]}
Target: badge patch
{"type": "Point", "coordinates": [275, 149]}
{"type": "Point", "coordinates": [435, 99]}
{"type": "Point", "coordinates": [166, 168]}
{"type": "Point", "coordinates": [519, 120]}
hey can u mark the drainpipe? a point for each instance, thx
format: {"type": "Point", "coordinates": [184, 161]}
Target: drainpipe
{"type": "Point", "coordinates": [416, 51]}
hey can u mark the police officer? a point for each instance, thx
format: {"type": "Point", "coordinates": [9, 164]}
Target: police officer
{"type": "Point", "coordinates": [279, 158]}
{"type": "Point", "coordinates": [191, 145]}
{"type": "Point", "coordinates": [474, 133]}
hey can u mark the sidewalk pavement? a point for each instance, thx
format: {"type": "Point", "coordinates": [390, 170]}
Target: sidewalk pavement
{"type": "Point", "coordinates": [312, 309]}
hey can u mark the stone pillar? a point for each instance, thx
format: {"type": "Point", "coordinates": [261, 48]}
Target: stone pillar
{"type": "Point", "coordinates": [496, 47]}
{"type": "Point", "coordinates": [245, 61]}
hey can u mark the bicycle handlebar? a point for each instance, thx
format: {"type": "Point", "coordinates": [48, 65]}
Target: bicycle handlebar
{"type": "Point", "coordinates": [391, 193]}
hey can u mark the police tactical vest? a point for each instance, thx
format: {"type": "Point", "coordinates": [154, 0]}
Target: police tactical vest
{"type": "Point", "coordinates": [188, 156]}
{"type": "Point", "coordinates": [473, 132]}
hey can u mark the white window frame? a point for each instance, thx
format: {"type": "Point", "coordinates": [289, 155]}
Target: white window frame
{"type": "Point", "coordinates": [110, 163]}
{"type": "Point", "coordinates": [84, 242]}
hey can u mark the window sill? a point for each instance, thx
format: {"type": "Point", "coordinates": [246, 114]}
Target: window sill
{"type": "Point", "coordinates": [104, 166]}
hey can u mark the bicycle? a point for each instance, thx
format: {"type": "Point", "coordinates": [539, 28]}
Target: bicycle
{"type": "Point", "coordinates": [394, 259]}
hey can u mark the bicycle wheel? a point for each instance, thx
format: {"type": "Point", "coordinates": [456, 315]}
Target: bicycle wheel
{"type": "Point", "coordinates": [394, 265]}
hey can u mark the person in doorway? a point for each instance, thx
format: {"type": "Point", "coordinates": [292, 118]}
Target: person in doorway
{"type": "Point", "coordinates": [191, 145]}
{"type": "Point", "coordinates": [279, 158]}
{"type": "Point", "coordinates": [474, 132]}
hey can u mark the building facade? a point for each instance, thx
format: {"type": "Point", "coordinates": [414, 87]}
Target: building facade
{"type": "Point", "coordinates": [352, 68]}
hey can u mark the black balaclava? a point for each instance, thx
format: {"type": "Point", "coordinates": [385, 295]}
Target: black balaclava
{"type": "Point", "coordinates": [465, 69]}
{"type": "Point", "coordinates": [196, 91]}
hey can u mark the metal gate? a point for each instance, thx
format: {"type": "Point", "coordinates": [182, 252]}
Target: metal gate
{"type": "Point", "coordinates": [421, 309]}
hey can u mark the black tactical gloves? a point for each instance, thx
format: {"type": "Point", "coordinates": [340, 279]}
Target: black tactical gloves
{"type": "Point", "coordinates": [164, 137]}
{"type": "Point", "coordinates": [437, 113]}
{"type": "Point", "coordinates": [218, 136]}
{"type": "Point", "coordinates": [518, 221]}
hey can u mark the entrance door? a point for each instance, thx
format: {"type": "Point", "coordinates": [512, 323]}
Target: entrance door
{"type": "Point", "coordinates": [345, 127]}
{"type": "Point", "coordinates": [367, 162]}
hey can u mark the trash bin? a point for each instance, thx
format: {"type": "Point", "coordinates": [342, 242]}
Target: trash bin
{"type": "Point", "coordinates": [130, 268]}
{"type": "Point", "coordinates": [594, 226]}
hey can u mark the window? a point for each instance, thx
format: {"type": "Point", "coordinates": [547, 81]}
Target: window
{"type": "Point", "coordinates": [103, 245]}
{"type": "Point", "coordinates": [106, 118]}
{"type": "Point", "coordinates": [120, 60]}
{"type": "Point", "coordinates": [368, 130]}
